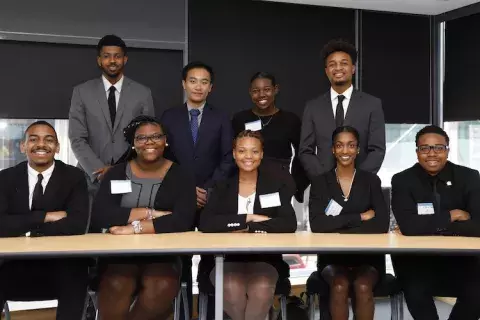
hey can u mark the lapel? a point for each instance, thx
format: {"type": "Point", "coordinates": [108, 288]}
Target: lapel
{"type": "Point", "coordinates": [54, 184]}
{"type": "Point", "coordinates": [206, 123]}
{"type": "Point", "coordinates": [327, 112]}
{"type": "Point", "coordinates": [21, 187]}
{"type": "Point", "coordinates": [263, 187]}
{"type": "Point", "coordinates": [102, 102]}
{"type": "Point", "coordinates": [333, 186]}
{"type": "Point", "coordinates": [352, 107]}
{"type": "Point", "coordinates": [184, 124]}
{"type": "Point", "coordinates": [231, 198]}
{"type": "Point", "coordinates": [122, 102]}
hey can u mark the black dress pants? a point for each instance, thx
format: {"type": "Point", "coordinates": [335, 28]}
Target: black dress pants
{"type": "Point", "coordinates": [63, 279]}
{"type": "Point", "coordinates": [424, 277]}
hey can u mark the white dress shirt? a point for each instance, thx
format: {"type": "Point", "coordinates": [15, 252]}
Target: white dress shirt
{"type": "Point", "coordinates": [33, 178]}
{"type": "Point", "coordinates": [118, 88]}
{"type": "Point", "coordinates": [334, 96]}
{"type": "Point", "coordinates": [245, 204]}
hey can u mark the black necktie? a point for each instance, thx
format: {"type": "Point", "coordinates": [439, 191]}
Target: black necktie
{"type": "Point", "coordinates": [339, 114]}
{"type": "Point", "coordinates": [112, 104]}
{"type": "Point", "coordinates": [37, 194]}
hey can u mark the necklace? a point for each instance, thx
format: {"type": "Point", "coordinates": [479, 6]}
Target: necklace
{"type": "Point", "coordinates": [345, 197]}
{"type": "Point", "coordinates": [269, 120]}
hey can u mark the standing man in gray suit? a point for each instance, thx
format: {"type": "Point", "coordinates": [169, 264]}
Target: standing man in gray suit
{"type": "Point", "coordinates": [101, 108]}
{"type": "Point", "coordinates": [341, 105]}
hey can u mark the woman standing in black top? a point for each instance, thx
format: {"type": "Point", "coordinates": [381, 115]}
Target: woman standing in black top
{"type": "Point", "coordinates": [280, 130]}
{"type": "Point", "coordinates": [147, 194]}
{"type": "Point", "coordinates": [255, 202]}
{"type": "Point", "coordinates": [349, 200]}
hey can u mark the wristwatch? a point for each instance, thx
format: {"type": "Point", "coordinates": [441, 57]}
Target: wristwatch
{"type": "Point", "coordinates": [137, 226]}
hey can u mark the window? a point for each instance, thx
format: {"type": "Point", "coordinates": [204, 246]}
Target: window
{"type": "Point", "coordinates": [464, 142]}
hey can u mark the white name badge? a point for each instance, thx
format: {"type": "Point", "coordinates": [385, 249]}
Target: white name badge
{"type": "Point", "coordinates": [120, 186]}
{"type": "Point", "coordinates": [270, 200]}
{"type": "Point", "coordinates": [333, 208]}
{"type": "Point", "coordinates": [254, 125]}
{"type": "Point", "coordinates": [425, 209]}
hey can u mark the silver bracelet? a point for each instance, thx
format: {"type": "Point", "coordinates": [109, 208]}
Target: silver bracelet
{"type": "Point", "coordinates": [150, 213]}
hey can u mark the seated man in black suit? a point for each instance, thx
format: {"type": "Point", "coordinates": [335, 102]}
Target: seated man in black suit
{"type": "Point", "coordinates": [44, 197]}
{"type": "Point", "coordinates": [437, 197]}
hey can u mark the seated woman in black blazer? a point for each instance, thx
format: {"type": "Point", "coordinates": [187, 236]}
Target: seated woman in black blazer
{"type": "Point", "coordinates": [349, 200]}
{"type": "Point", "coordinates": [250, 201]}
{"type": "Point", "coordinates": [146, 194]}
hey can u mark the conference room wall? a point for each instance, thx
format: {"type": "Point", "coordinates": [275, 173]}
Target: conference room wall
{"type": "Point", "coordinates": [157, 24]}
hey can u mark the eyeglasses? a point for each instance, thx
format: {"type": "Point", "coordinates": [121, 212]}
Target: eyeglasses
{"type": "Point", "coordinates": [437, 148]}
{"type": "Point", "coordinates": [157, 137]}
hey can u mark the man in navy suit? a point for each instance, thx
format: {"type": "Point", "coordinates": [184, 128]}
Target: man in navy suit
{"type": "Point", "coordinates": [200, 138]}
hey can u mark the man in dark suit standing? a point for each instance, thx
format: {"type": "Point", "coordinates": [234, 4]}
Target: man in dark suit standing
{"type": "Point", "coordinates": [101, 108]}
{"type": "Point", "coordinates": [44, 197]}
{"type": "Point", "coordinates": [341, 105]}
{"type": "Point", "coordinates": [200, 139]}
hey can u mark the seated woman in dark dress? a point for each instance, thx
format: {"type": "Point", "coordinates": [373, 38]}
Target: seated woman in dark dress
{"type": "Point", "coordinates": [280, 130]}
{"type": "Point", "coordinates": [250, 201]}
{"type": "Point", "coordinates": [147, 194]}
{"type": "Point", "coordinates": [349, 200]}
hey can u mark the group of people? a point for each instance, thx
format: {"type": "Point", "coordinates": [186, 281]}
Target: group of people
{"type": "Point", "coordinates": [194, 167]}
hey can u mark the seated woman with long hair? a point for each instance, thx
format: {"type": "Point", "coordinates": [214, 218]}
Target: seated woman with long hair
{"type": "Point", "coordinates": [146, 194]}
{"type": "Point", "coordinates": [250, 201]}
{"type": "Point", "coordinates": [349, 200]}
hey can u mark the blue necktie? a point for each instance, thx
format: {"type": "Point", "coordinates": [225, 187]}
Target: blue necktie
{"type": "Point", "coordinates": [194, 113]}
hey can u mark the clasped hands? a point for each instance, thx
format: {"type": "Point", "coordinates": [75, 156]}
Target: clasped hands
{"type": "Point", "coordinates": [144, 215]}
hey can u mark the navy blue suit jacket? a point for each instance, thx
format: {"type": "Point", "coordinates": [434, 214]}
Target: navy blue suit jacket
{"type": "Point", "coordinates": [210, 159]}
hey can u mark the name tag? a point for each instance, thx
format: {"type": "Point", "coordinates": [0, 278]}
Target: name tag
{"type": "Point", "coordinates": [425, 209]}
{"type": "Point", "coordinates": [120, 186]}
{"type": "Point", "coordinates": [254, 125]}
{"type": "Point", "coordinates": [270, 200]}
{"type": "Point", "coordinates": [333, 208]}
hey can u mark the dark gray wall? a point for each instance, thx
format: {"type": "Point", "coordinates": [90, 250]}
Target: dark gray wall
{"type": "Point", "coordinates": [157, 24]}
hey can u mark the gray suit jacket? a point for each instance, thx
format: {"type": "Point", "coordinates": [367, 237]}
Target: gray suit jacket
{"type": "Point", "coordinates": [364, 113]}
{"type": "Point", "coordinates": [93, 140]}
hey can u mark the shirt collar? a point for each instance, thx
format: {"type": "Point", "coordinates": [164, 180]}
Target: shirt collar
{"type": "Point", "coordinates": [445, 175]}
{"type": "Point", "coordinates": [45, 174]}
{"type": "Point", "coordinates": [347, 94]}
{"type": "Point", "coordinates": [118, 85]}
{"type": "Point", "coordinates": [199, 108]}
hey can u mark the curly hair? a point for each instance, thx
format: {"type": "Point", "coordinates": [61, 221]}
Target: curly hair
{"type": "Point", "coordinates": [431, 129]}
{"type": "Point", "coordinates": [248, 134]}
{"type": "Point", "coordinates": [339, 45]}
{"type": "Point", "coordinates": [129, 134]}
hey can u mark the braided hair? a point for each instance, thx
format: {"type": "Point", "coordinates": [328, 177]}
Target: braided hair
{"type": "Point", "coordinates": [129, 134]}
{"type": "Point", "coordinates": [248, 134]}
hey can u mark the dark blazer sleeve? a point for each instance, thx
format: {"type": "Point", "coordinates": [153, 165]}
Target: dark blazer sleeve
{"type": "Point", "coordinates": [307, 146]}
{"type": "Point", "coordinates": [13, 225]}
{"type": "Point", "coordinates": [381, 222]}
{"type": "Point", "coordinates": [376, 139]}
{"type": "Point", "coordinates": [218, 217]}
{"type": "Point", "coordinates": [285, 220]}
{"type": "Point", "coordinates": [470, 228]}
{"type": "Point", "coordinates": [298, 173]}
{"type": "Point", "coordinates": [405, 210]}
{"type": "Point", "coordinates": [319, 199]}
{"type": "Point", "coordinates": [106, 211]}
{"type": "Point", "coordinates": [182, 189]}
{"type": "Point", "coordinates": [226, 165]}
{"type": "Point", "coordinates": [76, 206]}
{"type": "Point", "coordinates": [238, 125]}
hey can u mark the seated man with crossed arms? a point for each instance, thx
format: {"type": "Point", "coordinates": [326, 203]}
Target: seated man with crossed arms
{"type": "Point", "coordinates": [437, 197]}
{"type": "Point", "coordinates": [44, 197]}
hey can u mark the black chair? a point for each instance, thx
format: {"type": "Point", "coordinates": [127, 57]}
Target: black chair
{"type": "Point", "coordinates": [388, 286]}
{"type": "Point", "coordinates": [206, 290]}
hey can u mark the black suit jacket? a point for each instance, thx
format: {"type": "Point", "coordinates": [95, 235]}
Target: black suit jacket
{"type": "Point", "coordinates": [458, 187]}
{"type": "Point", "coordinates": [66, 191]}
{"type": "Point", "coordinates": [364, 113]}
{"type": "Point", "coordinates": [210, 159]}
{"type": "Point", "coordinates": [221, 215]}
{"type": "Point", "coordinates": [176, 194]}
{"type": "Point", "coordinates": [366, 194]}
